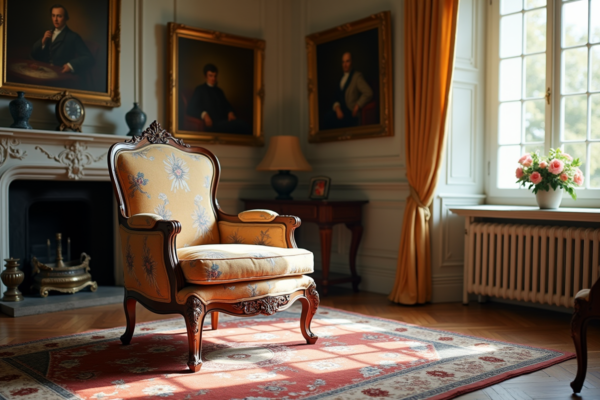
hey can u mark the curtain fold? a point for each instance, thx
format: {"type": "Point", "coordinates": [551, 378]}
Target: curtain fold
{"type": "Point", "coordinates": [430, 33]}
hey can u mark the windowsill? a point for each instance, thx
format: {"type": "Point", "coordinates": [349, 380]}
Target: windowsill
{"type": "Point", "coordinates": [529, 212]}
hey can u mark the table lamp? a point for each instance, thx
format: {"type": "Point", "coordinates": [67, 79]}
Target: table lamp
{"type": "Point", "coordinates": [284, 155]}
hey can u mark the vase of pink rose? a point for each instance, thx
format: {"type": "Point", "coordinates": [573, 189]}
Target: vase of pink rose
{"type": "Point", "coordinates": [549, 176]}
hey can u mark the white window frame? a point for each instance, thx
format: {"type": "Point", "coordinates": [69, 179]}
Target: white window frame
{"type": "Point", "coordinates": [586, 197]}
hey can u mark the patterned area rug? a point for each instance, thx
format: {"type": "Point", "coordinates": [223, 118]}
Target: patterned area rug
{"type": "Point", "coordinates": [356, 357]}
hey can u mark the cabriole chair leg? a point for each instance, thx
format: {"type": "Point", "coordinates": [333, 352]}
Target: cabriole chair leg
{"type": "Point", "coordinates": [578, 333]}
{"type": "Point", "coordinates": [310, 303]}
{"type": "Point", "coordinates": [194, 319]}
{"type": "Point", "coordinates": [129, 306]}
{"type": "Point", "coordinates": [214, 320]}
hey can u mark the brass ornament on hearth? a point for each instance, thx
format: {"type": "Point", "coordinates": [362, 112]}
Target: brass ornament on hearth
{"type": "Point", "coordinates": [65, 277]}
{"type": "Point", "coordinates": [12, 277]}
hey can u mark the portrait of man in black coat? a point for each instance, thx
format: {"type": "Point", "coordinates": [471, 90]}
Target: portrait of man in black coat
{"type": "Point", "coordinates": [208, 103]}
{"type": "Point", "coordinates": [61, 46]}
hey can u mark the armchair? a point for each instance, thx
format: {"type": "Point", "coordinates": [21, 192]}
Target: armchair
{"type": "Point", "coordinates": [182, 254]}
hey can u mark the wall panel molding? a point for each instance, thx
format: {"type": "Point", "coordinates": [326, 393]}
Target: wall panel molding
{"type": "Point", "coordinates": [462, 133]}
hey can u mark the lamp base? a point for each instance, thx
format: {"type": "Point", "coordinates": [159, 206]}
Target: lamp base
{"type": "Point", "coordinates": [284, 183]}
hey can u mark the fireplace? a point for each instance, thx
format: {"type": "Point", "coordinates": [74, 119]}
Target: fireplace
{"type": "Point", "coordinates": [81, 211]}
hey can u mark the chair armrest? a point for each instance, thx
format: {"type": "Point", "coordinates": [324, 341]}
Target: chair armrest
{"type": "Point", "coordinates": [151, 266]}
{"type": "Point", "coordinates": [143, 221]}
{"type": "Point", "coordinates": [257, 215]}
{"type": "Point", "coordinates": [286, 224]}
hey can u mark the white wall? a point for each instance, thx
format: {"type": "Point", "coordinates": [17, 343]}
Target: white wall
{"type": "Point", "coordinates": [371, 169]}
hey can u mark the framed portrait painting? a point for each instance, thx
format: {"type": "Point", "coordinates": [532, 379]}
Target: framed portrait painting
{"type": "Point", "coordinates": [216, 86]}
{"type": "Point", "coordinates": [350, 80]}
{"type": "Point", "coordinates": [48, 48]}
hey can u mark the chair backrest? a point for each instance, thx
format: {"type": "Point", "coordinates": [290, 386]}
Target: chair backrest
{"type": "Point", "coordinates": [159, 174]}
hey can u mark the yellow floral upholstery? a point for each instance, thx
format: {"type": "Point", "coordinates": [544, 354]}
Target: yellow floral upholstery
{"type": "Point", "coordinates": [253, 233]}
{"type": "Point", "coordinates": [224, 263]}
{"type": "Point", "coordinates": [173, 184]}
{"type": "Point", "coordinates": [233, 293]}
{"type": "Point", "coordinates": [257, 215]}
{"type": "Point", "coordinates": [144, 265]}
{"type": "Point", "coordinates": [143, 221]}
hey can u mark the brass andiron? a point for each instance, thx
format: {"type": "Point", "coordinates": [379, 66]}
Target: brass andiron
{"type": "Point", "coordinates": [12, 278]}
{"type": "Point", "coordinates": [65, 277]}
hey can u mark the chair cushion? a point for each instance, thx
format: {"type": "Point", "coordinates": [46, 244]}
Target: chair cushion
{"type": "Point", "coordinates": [236, 292]}
{"type": "Point", "coordinates": [583, 294]}
{"type": "Point", "coordinates": [224, 263]}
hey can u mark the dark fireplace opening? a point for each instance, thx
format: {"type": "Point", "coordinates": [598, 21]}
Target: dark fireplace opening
{"type": "Point", "coordinates": [81, 211]}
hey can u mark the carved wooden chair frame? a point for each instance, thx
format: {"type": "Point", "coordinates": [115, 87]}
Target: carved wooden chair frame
{"type": "Point", "coordinates": [586, 309]}
{"type": "Point", "coordinates": [194, 310]}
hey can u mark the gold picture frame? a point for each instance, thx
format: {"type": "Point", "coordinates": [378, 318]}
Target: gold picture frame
{"type": "Point", "coordinates": [238, 64]}
{"type": "Point", "coordinates": [361, 42]}
{"type": "Point", "coordinates": [97, 83]}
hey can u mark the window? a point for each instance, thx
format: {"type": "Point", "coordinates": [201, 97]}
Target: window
{"type": "Point", "coordinates": [544, 86]}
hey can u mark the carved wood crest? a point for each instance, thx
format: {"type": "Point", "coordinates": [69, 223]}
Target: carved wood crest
{"type": "Point", "coordinates": [75, 157]}
{"type": "Point", "coordinates": [156, 134]}
{"type": "Point", "coordinates": [7, 149]}
{"type": "Point", "coordinates": [313, 297]}
{"type": "Point", "coordinates": [267, 306]}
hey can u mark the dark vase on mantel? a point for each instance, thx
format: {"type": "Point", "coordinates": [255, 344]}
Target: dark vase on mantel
{"type": "Point", "coordinates": [20, 109]}
{"type": "Point", "coordinates": [136, 119]}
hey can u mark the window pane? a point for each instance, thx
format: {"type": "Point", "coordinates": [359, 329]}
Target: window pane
{"type": "Point", "coordinates": [510, 79]}
{"type": "Point", "coordinates": [595, 116]}
{"type": "Point", "coordinates": [511, 38]}
{"type": "Point", "coordinates": [534, 121]}
{"type": "Point", "coordinates": [594, 178]}
{"type": "Point", "coordinates": [574, 117]}
{"type": "Point", "coordinates": [535, 31]}
{"type": "Point", "coordinates": [575, 23]}
{"type": "Point", "coordinates": [534, 4]}
{"type": "Point", "coordinates": [574, 71]}
{"type": "Point", "coordinates": [577, 150]}
{"type": "Point", "coordinates": [507, 159]}
{"type": "Point", "coordinates": [595, 69]}
{"type": "Point", "coordinates": [535, 76]}
{"type": "Point", "coordinates": [509, 117]}
{"type": "Point", "coordinates": [595, 19]}
{"type": "Point", "coordinates": [532, 148]}
{"type": "Point", "coordinates": [510, 6]}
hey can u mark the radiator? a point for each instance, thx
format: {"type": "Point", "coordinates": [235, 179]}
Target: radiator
{"type": "Point", "coordinates": [542, 264]}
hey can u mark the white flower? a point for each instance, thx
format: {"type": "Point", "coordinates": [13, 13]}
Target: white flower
{"type": "Point", "coordinates": [178, 172]}
{"type": "Point", "coordinates": [257, 377]}
{"type": "Point", "coordinates": [324, 365]}
{"type": "Point", "coordinates": [265, 336]}
{"type": "Point", "coordinates": [159, 390]}
{"type": "Point", "coordinates": [369, 371]}
{"type": "Point", "coordinates": [200, 218]}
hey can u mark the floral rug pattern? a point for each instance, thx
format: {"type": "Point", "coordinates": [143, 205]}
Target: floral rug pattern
{"type": "Point", "coordinates": [356, 357]}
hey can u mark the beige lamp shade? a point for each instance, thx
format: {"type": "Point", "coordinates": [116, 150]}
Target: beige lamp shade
{"type": "Point", "coordinates": [284, 154]}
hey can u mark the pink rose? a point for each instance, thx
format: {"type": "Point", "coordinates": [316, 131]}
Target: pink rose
{"type": "Point", "coordinates": [564, 177]}
{"type": "Point", "coordinates": [578, 178]}
{"type": "Point", "coordinates": [519, 172]}
{"type": "Point", "coordinates": [568, 156]}
{"type": "Point", "coordinates": [543, 164]}
{"type": "Point", "coordinates": [535, 178]}
{"type": "Point", "coordinates": [556, 167]}
{"type": "Point", "coordinates": [526, 160]}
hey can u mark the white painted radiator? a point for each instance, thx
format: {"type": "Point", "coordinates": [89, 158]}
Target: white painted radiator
{"type": "Point", "coordinates": [542, 264]}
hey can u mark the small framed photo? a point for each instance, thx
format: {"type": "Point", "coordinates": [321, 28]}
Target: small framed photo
{"type": "Point", "coordinates": [319, 188]}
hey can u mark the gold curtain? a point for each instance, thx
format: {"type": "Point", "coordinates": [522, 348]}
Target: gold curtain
{"type": "Point", "coordinates": [429, 36]}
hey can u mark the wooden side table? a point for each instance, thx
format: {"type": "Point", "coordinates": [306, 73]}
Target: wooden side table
{"type": "Point", "coordinates": [325, 214]}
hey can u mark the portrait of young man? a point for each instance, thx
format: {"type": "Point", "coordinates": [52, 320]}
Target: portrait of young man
{"type": "Point", "coordinates": [65, 45]}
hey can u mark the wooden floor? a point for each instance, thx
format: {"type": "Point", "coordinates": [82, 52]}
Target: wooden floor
{"type": "Point", "coordinates": [517, 324]}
